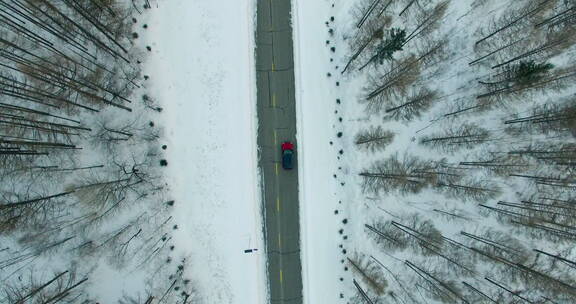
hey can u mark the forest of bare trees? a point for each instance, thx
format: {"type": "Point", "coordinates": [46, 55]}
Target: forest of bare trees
{"type": "Point", "coordinates": [80, 155]}
{"type": "Point", "coordinates": [479, 207]}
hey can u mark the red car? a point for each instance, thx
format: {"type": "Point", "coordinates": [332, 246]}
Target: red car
{"type": "Point", "coordinates": [287, 155]}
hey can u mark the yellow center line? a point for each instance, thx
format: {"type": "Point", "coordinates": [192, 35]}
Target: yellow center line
{"type": "Point", "coordinates": [273, 66]}
{"type": "Point", "coordinates": [278, 204]}
{"type": "Point", "coordinates": [279, 242]}
{"type": "Point", "coordinates": [274, 100]}
{"type": "Point", "coordinates": [281, 276]}
{"type": "Point", "coordinates": [275, 138]}
{"type": "Point", "coordinates": [277, 168]}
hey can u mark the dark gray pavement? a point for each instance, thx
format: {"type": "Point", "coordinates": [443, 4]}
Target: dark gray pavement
{"type": "Point", "coordinates": [277, 123]}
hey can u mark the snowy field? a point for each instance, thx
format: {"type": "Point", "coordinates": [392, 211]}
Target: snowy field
{"type": "Point", "coordinates": [202, 71]}
{"type": "Point", "coordinates": [319, 193]}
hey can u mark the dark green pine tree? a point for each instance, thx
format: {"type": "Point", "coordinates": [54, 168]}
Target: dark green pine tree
{"type": "Point", "coordinates": [528, 72]}
{"type": "Point", "coordinates": [391, 45]}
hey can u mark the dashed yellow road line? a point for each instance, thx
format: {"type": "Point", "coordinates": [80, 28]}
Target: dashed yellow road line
{"type": "Point", "coordinates": [273, 66]}
{"type": "Point", "coordinates": [277, 165]}
{"type": "Point", "coordinates": [274, 100]}
{"type": "Point", "coordinates": [281, 277]}
{"type": "Point", "coordinates": [278, 204]}
{"type": "Point", "coordinates": [275, 138]}
{"type": "Point", "coordinates": [279, 242]}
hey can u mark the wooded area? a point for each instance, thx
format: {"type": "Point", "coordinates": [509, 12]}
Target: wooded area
{"type": "Point", "coordinates": [80, 153]}
{"type": "Point", "coordinates": [479, 207]}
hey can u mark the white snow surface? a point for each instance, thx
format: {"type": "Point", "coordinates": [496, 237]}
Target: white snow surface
{"type": "Point", "coordinates": [315, 103]}
{"type": "Point", "coordinates": [201, 70]}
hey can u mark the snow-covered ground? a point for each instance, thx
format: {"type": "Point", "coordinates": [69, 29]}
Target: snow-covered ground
{"type": "Point", "coordinates": [202, 71]}
{"type": "Point", "coordinates": [316, 100]}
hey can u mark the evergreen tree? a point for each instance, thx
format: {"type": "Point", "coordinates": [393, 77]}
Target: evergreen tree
{"type": "Point", "coordinates": [527, 72]}
{"type": "Point", "coordinates": [391, 45]}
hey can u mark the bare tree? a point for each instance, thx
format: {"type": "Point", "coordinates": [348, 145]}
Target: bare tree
{"type": "Point", "coordinates": [470, 189]}
{"type": "Point", "coordinates": [369, 272]}
{"type": "Point", "coordinates": [407, 175]}
{"type": "Point", "coordinates": [466, 136]}
{"type": "Point", "coordinates": [64, 287]}
{"type": "Point", "coordinates": [546, 119]}
{"type": "Point", "coordinates": [396, 80]}
{"type": "Point", "coordinates": [412, 106]}
{"type": "Point", "coordinates": [374, 139]}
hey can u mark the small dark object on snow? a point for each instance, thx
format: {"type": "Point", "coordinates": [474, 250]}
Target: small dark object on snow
{"type": "Point", "coordinates": [164, 147]}
{"type": "Point", "coordinates": [134, 35]}
{"type": "Point", "coordinates": [339, 134]}
{"type": "Point", "coordinates": [333, 49]}
{"type": "Point", "coordinates": [163, 163]}
{"type": "Point", "coordinates": [149, 48]}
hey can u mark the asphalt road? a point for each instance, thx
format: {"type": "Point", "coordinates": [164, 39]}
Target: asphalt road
{"type": "Point", "coordinates": [277, 123]}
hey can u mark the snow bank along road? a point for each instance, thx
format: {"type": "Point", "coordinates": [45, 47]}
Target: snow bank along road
{"type": "Point", "coordinates": [202, 71]}
{"type": "Point", "coordinates": [277, 123]}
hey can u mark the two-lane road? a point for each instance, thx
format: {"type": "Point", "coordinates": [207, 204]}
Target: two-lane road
{"type": "Point", "coordinates": [277, 123]}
